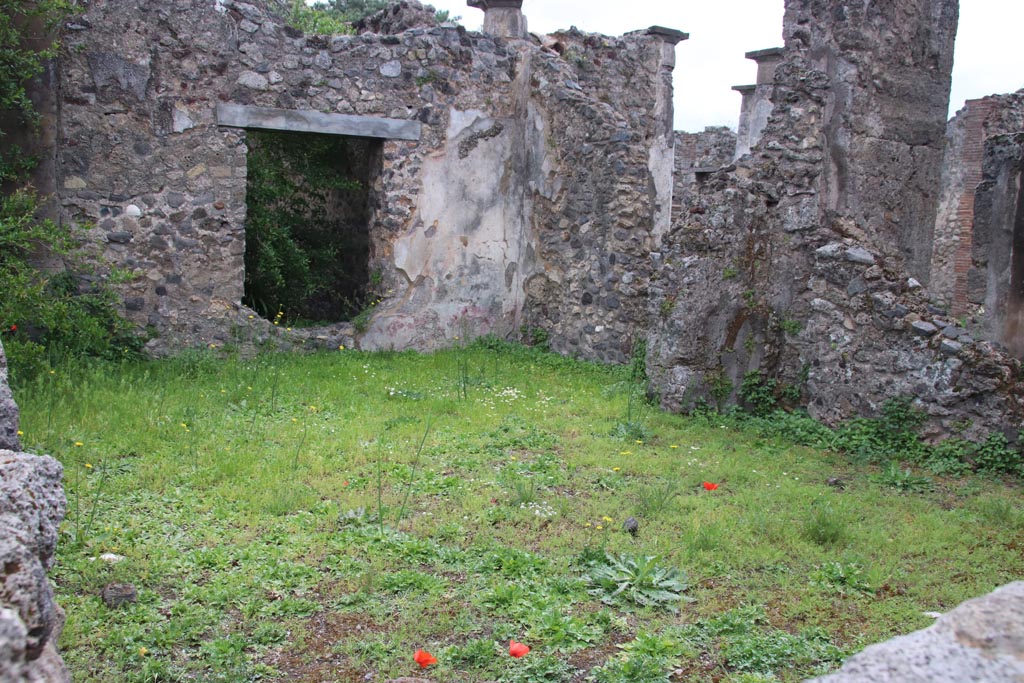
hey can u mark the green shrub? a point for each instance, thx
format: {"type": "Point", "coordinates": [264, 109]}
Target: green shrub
{"type": "Point", "coordinates": [996, 455]}
{"type": "Point", "coordinates": [49, 315]}
{"type": "Point", "coordinates": [893, 434]}
{"type": "Point", "coordinates": [757, 393]}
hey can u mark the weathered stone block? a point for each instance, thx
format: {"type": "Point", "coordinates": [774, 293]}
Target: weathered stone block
{"type": "Point", "coordinates": [981, 641]}
{"type": "Point", "coordinates": [8, 410]}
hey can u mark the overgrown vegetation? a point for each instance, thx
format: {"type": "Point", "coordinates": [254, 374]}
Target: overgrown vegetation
{"type": "Point", "coordinates": [307, 233]}
{"type": "Point", "coordinates": [336, 17]}
{"type": "Point", "coordinates": [282, 521]}
{"type": "Point", "coordinates": [67, 308]}
{"type": "Point", "coordinates": [25, 46]}
{"type": "Point", "coordinates": [891, 438]}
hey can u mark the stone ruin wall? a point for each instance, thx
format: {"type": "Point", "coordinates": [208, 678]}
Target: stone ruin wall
{"type": "Point", "coordinates": [801, 262]}
{"type": "Point", "coordinates": [540, 194]}
{"type": "Point", "coordinates": [697, 156]}
{"type": "Point", "coordinates": [533, 173]}
{"type": "Point", "coordinates": [599, 223]}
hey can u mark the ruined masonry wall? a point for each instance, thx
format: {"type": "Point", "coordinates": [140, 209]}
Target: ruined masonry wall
{"type": "Point", "coordinates": [594, 215]}
{"type": "Point", "coordinates": [786, 265]}
{"type": "Point", "coordinates": [520, 148]}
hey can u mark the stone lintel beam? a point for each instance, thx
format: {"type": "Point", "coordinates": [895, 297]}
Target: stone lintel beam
{"type": "Point", "coordinates": [669, 35]}
{"type": "Point", "coordinates": [488, 4]}
{"type": "Point", "coordinates": [767, 61]}
{"type": "Point", "coordinates": [308, 121]}
{"type": "Point", "coordinates": [769, 53]}
{"type": "Point", "coordinates": [744, 89]}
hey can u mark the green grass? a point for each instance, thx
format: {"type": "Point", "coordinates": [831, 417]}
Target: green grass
{"type": "Point", "coordinates": [281, 523]}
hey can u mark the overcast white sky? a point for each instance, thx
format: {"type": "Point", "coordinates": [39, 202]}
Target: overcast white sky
{"type": "Point", "coordinates": [989, 57]}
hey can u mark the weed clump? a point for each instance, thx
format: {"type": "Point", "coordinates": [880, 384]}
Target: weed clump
{"type": "Point", "coordinates": [639, 581]}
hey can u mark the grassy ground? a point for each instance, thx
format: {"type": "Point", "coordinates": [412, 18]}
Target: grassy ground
{"type": "Point", "coordinates": [284, 518]}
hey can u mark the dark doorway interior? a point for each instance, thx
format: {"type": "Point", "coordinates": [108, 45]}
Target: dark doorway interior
{"type": "Point", "coordinates": [307, 235]}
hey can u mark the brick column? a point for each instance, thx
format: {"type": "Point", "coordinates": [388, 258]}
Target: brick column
{"type": "Point", "coordinates": [971, 161]}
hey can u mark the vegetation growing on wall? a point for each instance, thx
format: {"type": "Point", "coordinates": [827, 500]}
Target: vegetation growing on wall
{"type": "Point", "coordinates": [67, 308]}
{"type": "Point", "coordinates": [24, 50]}
{"type": "Point", "coordinates": [335, 17]}
{"type": "Point", "coordinates": [307, 238]}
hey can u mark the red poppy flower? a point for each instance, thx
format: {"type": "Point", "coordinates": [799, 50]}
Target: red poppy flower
{"type": "Point", "coordinates": [517, 650]}
{"type": "Point", "coordinates": [424, 658]}
{"type": "Point", "coordinates": [709, 486]}
{"type": "Point", "coordinates": [14, 328]}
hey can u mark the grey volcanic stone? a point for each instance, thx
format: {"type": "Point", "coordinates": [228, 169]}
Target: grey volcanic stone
{"type": "Point", "coordinates": [923, 328]}
{"type": "Point", "coordinates": [982, 640]}
{"type": "Point", "coordinates": [26, 590]}
{"type": "Point", "coordinates": [31, 492]}
{"type": "Point", "coordinates": [8, 409]}
{"type": "Point", "coordinates": [32, 506]}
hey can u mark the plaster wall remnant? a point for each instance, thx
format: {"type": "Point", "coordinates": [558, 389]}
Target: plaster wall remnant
{"type": "Point", "coordinates": [756, 106]}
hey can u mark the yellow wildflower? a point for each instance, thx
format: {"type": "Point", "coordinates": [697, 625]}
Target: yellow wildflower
{"type": "Point", "coordinates": [607, 519]}
{"type": "Point", "coordinates": [599, 527]}
{"type": "Point", "coordinates": [616, 469]}
{"type": "Point", "coordinates": [143, 652]}
{"type": "Point", "coordinates": [79, 444]}
{"type": "Point", "coordinates": [21, 433]}
{"type": "Point", "coordinates": [88, 465]}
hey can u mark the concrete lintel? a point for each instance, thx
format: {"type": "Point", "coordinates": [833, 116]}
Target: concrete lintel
{"type": "Point", "coordinates": [744, 88]}
{"type": "Point", "coordinates": [669, 35]}
{"type": "Point", "coordinates": [766, 54]}
{"type": "Point", "coordinates": [308, 121]}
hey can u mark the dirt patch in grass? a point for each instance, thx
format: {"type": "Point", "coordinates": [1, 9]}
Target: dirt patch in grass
{"type": "Point", "coordinates": [315, 661]}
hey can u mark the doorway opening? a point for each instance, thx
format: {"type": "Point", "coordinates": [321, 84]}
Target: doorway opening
{"type": "Point", "coordinates": [307, 237]}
